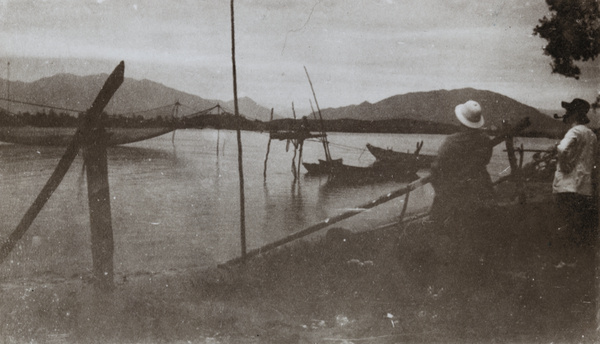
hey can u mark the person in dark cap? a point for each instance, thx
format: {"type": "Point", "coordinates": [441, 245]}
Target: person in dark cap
{"type": "Point", "coordinates": [573, 185]}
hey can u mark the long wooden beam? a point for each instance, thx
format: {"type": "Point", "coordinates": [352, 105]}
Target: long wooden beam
{"type": "Point", "coordinates": [331, 220]}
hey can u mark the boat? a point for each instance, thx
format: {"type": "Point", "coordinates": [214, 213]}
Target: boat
{"type": "Point", "coordinates": [62, 136]}
{"type": "Point", "coordinates": [323, 167]}
{"type": "Point", "coordinates": [416, 160]}
{"type": "Point", "coordinates": [340, 172]}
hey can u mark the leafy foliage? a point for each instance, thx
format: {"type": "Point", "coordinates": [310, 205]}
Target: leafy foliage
{"type": "Point", "coordinates": [572, 32]}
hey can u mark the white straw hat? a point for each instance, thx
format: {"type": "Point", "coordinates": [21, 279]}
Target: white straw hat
{"type": "Point", "coordinates": [469, 114]}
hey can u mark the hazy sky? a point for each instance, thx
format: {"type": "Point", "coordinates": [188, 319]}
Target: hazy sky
{"type": "Point", "coordinates": [354, 50]}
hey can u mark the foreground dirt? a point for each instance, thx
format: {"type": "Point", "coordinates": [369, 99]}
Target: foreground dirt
{"type": "Point", "coordinates": [511, 277]}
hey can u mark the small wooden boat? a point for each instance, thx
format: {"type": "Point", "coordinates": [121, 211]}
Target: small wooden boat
{"type": "Point", "coordinates": [61, 136]}
{"type": "Point", "coordinates": [323, 167]}
{"type": "Point", "coordinates": [415, 159]}
{"type": "Point", "coordinates": [339, 172]}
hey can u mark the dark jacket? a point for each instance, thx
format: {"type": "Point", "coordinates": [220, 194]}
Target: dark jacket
{"type": "Point", "coordinates": [460, 178]}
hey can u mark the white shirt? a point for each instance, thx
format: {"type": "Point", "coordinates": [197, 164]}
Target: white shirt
{"type": "Point", "coordinates": [576, 151]}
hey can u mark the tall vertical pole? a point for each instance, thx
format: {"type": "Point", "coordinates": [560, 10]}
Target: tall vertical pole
{"type": "Point", "coordinates": [239, 139]}
{"type": "Point", "coordinates": [174, 118]}
{"type": "Point", "coordinates": [296, 143]}
{"type": "Point", "coordinates": [218, 129]}
{"type": "Point", "coordinates": [8, 87]}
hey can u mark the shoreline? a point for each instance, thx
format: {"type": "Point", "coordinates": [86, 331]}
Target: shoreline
{"type": "Point", "coordinates": [513, 279]}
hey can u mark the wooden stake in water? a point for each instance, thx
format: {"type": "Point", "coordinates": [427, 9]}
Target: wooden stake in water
{"type": "Point", "coordinates": [8, 88]}
{"type": "Point", "coordinates": [268, 149]}
{"type": "Point", "coordinates": [239, 139]}
{"type": "Point", "coordinates": [174, 118]}
{"type": "Point", "coordinates": [294, 173]}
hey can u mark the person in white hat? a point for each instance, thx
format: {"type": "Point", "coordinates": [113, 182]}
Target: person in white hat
{"type": "Point", "coordinates": [573, 181]}
{"type": "Point", "coordinates": [460, 178]}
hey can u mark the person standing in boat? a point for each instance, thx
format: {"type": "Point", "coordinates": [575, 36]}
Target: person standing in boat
{"type": "Point", "coordinates": [573, 185]}
{"type": "Point", "coordinates": [462, 184]}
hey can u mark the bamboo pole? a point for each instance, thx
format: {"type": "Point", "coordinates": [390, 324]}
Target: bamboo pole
{"type": "Point", "coordinates": [174, 117]}
{"type": "Point", "coordinates": [239, 138]}
{"type": "Point", "coordinates": [325, 143]}
{"type": "Point", "coordinates": [294, 163]}
{"type": "Point", "coordinates": [268, 149]}
{"type": "Point", "coordinates": [218, 129]}
{"type": "Point", "coordinates": [218, 139]}
{"type": "Point", "coordinates": [8, 87]}
{"type": "Point", "coordinates": [301, 144]}
{"type": "Point", "coordinates": [331, 220]}
{"type": "Point", "coordinates": [298, 142]}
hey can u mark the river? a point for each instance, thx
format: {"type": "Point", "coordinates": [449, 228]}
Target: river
{"type": "Point", "coordinates": [175, 203]}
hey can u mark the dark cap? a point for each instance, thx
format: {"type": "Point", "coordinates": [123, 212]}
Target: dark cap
{"type": "Point", "coordinates": [578, 107]}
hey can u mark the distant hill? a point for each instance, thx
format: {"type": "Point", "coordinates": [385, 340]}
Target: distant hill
{"type": "Point", "coordinates": [78, 92]}
{"type": "Point", "coordinates": [438, 107]}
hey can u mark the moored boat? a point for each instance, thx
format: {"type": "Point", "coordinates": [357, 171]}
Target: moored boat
{"type": "Point", "coordinates": [416, 160]}
{"type": "Point", "coordinates": [62, 136]}
{"type": "Point", "coordinates": [339, 171]}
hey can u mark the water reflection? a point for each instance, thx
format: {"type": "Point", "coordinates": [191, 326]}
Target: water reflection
{"type": "Point", "coordinates": [297, 203]}
{"type": "Point", "coordinates": [284, 209]}
{"type": "Point", "coordinates": [137, 154]}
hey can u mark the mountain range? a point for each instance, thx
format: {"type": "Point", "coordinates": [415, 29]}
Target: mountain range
{"type": "Point", "coordinates": [136, 96]}
{"type": "Point", "coordinates": [438, 107]}
{"type": "Point", "coordinates": [68, 91]}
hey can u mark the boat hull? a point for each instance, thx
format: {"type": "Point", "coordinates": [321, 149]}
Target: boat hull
{"type": "Point", "coordinates": [418, 161]}
{"type": "Point", "coordinates": [339, 172]}
{"type": "Point", "coordinates": [60, 136]}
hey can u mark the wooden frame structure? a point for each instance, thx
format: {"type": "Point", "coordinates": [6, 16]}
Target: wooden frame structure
{"type": "Point", "coordinates": [92, 138]}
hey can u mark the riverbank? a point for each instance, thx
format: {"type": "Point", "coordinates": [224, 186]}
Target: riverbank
{"type": "Point", "coordinates": [514, 278]}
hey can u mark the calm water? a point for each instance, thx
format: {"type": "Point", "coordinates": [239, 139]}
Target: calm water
{"type": "Point", "coordinates": [177, 205]}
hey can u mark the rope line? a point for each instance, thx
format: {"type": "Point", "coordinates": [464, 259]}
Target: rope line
{"type": "Point", "coordinates": [40, 105]}
{"type": "Point", "coordinates": [142, 111]}
{"type": "Point", "coordinates": [168, 106]}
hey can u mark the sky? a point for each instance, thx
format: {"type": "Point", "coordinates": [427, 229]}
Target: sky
{"type": "Point", "coordinates": [353, 50]}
